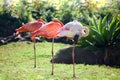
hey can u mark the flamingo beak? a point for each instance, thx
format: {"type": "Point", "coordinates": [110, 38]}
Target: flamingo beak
{"type": "Point", "coordinates": [17, 33]}
{"type": "Point", "coordinates": [19, 30]}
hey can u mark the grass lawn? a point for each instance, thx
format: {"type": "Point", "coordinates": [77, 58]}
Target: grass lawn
{"type": "Point", "coordinates": [17, 60]}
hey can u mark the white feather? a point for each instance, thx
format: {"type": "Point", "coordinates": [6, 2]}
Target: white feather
{"type": "Point", "coordinates": [73, 27]}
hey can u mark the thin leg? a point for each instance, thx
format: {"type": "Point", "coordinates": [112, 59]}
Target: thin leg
{"type": "Point", "coordinates": [75, 40]}
{"type": "Point", "coordinates": [34, 55]}
{"type": "Point", "coordinates": [52, 57]}
{"type": "Point", "coordinates": [73, 59]}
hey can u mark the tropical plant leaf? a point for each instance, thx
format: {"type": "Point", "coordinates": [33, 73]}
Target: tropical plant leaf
{"type": "Point", "coordinates": [85, 43]}
{"type": "Point", "coordinates": [97, 36]}
{"type": "Point", "coordinates": [106, 35]}
{"type": "Point", "coordinates": [103, 33]}
{"type": "Point", "coordinates": [104, 20]}
{"type": "Point", "coordinates": [116, 34]}
{"type": "Point", "coordinates": [100, 26]}
{"type": "Point", "coordinates": [112, 26]}
{"type": "Point", "coordinates": [94, 23]}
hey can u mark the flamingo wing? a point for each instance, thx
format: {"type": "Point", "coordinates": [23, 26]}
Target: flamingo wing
{"type": "Point", "coordinates": [70, 29]}
{"type": "Point", "coordinates": [49, 30]}
{"type": "Point", "coordinates": [33, 26]}
{"type": "Point", "coordinates": [30, 26]}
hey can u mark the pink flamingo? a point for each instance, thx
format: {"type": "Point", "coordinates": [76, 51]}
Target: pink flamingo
{"type": "Point", "coordinates": [31, 27]}
{"type": "Point", "coordinates": [73, 30]}
{"type": "Point", "coordinates": [49, 30]}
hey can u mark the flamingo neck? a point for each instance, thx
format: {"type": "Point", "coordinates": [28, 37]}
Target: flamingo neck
{"type": "Point", "coordinates": [76, 37]}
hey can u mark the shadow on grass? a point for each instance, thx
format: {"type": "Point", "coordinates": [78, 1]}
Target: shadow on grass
{"type": "Point", "coordinates": [83, 56]}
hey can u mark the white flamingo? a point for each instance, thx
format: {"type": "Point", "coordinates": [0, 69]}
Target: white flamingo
{"type": "Point", "coordinates": [73, 30]}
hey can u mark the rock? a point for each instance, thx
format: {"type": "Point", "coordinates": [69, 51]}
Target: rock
{"type": "Point", "coordinates": [81, 56]}
{"type": "Point", "coordinates": [14, 38]}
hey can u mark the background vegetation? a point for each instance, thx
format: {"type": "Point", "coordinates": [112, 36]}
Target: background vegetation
{"type": "Point", "coordinates": [13, 14]}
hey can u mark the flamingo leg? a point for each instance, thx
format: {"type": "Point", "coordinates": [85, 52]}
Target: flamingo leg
{"type": "Point", "coordinates": [52, 56]}
{"type": "Point", "coordinates": [75, 40]}
{"type": "Point", "coordinates": [34, 55]}
{"type": "Point", "coordinates": [73, 60]}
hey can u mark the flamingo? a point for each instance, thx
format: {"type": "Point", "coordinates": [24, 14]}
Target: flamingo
{"type": "Point", "coordinates": [49, 30]}
{"type": "Point", "coordinates": [31, 27]}
{"type": "Point", "coordinates": [73, 30]}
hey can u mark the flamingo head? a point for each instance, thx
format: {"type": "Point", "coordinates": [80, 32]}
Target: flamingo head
{"type": "Point", "coordinates": [19, 30]}
{"type": "Point", "coordinates": [85, 32]}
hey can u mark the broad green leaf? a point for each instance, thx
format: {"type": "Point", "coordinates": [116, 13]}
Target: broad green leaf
{"type": "Point", "coordinates": [106, 35]}
{"type": "Point", "coordinates": [94, 23]}
{"type": "Point", "coordinates": [104, 20]}
{"type": "Point", "coordinates": [98, 38]}
{"type": "Point", "coordinates": [87, 43]}
{"type": "Point", "coordinates": [113, 27]}
{"type": "Point", "coordinates": [100, 26]}
{"type": "Point", "coordinates": [116, 34]}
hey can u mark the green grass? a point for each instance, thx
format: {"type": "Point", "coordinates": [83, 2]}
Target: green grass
{"type": "Point", "coordinates": [17, 60]}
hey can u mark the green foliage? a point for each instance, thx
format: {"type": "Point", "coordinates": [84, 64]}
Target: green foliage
{"type": "Point", "coordinates": [104, 35]}
{"type": "Point", "coordinates": [9, 23]}
{"type": "Point", "coordinates": [67, 16]}
{"type": "Point", "coordinates": [63, 10]}
{"type": "Point", "coordinates": [112, 8]}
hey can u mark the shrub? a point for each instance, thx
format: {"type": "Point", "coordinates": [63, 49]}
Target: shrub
{"type": "Point", "coordinates": [9, 23]}
{"type": "Point", "coordinates": [104, 36]}
{"type": "Point", "coordinates": [82, 56]}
